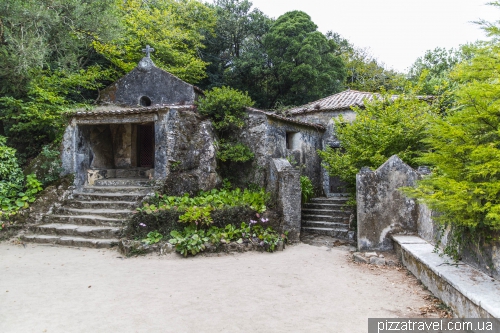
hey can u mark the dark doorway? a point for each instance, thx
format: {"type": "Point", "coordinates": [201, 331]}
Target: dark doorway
{"type": "Point", "coordinates": [146, 145]}
{"type": "Point", "coordinates": [337, 185]}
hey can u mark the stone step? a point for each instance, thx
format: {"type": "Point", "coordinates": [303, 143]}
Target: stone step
{"type": "Point", "coordinates": [325, 218]}
{"type": "Point", "coordinates": [71, 241]}
{"type": "Point", "coordinates": [106, 196]}
{"type": "Point", "coordinates": [338, 195]}
{"type": "Point", "coordinates": [105, 212]}
{"type": "Point", "coordinates": [127, 173]}
{"type": "Point", "coordinates": [123, 182]}
{"type": "Point", "coordinates": [329, 212]}
{"type": "Point", "coordinates": [117, 189]}
{"type": "Point", "coordinates": [86, 231]}
{"type": "Point", "coordinates": [84, 220]}
{"type": "Point", "coordinates": [130, 205]}
{"type": "Point", "coordinates": [332, 232]}
{"type": "Point", "coordinates": [324, 224]}
{"type": "Point", "coordinates": [334, 206]}
{"type": "Point", "coordinates": [332, 200]}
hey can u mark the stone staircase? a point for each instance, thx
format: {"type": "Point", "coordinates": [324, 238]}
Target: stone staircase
{"type": "Point", "coordinates": [327, 216]}
{"type": "Point", "coordinates": [93, 216]}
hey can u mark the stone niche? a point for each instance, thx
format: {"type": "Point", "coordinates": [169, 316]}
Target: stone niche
{"type": "Point", "coordinates": [112, 146]}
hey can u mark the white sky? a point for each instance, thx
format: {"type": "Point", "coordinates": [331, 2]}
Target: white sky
{"type": "Point", "coordinates": [395, 31]}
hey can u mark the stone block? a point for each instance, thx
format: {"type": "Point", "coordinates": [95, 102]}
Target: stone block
{"type": "Point", "coordinates": [377, 261]}
{"type": "Point", "coordinates": [358, 257]}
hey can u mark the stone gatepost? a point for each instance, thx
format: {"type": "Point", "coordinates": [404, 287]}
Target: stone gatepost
{"type": "Point", "coordinates": [284, 186]}
{"type": "Point", "coordinates": [383, 210]}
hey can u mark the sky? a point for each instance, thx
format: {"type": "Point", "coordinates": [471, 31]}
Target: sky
{"type": "Point", "coordinates": [396, 32]}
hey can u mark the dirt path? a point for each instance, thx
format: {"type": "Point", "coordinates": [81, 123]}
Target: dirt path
{"type": "Point", "coordinates": [303, 289]}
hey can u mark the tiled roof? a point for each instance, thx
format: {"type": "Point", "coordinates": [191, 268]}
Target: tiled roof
{"type": "Point", "coordinates": [117, 110]}
{"type": "Point", "coordinates": [341, 101]}
{"type": "Point", "coordinates": [287, 119]}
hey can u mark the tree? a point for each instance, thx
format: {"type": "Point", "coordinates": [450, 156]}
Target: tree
{"type": "Point", "coordinates": [235, 51]}
{"type": "Point", "coordinates": [385, 127]}
{"type": "Point", "coordinates": [366, 73]}
{"type": "Point", "coordinates": [302, 62]}
{"type": "Point", "coordinates": [464, 155]}
{"type": "Point", "coordinates": [174, 28]}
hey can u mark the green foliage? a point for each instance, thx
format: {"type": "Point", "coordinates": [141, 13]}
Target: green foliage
{"type": "Point", "coordinates": [172, 27]}
{"type": "Point", "coordinates": [464, 154]}
{"type": "Point", "coordinates": [153, 237]}
{"type": "Point", "coordinates": [385, 127]}
{"type": "Point", "coordinates": [233, 152]}
{"type": "Point", "coordinates": [226, 107]}
{"type": "Point", "coordinates": [197, 215]}
{"type": "Point", "coordinates": [15, 191]}
{"type": "Point", "coordinates": [192, 240]}
{"type": "Point", "coordinates": [189, 241]}
{"type": "Point", "coordinates": [51, 165]}
{"type": "Point", "coordinates": [307, 189]}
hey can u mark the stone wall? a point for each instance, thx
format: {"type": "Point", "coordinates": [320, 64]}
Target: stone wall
{"type": "Point", "coordinates": [267, 137]}
{"type": "Point", "coordinates": [284, 183]}
{"type": "Point", "coordinates": [326, 118]}
{"type": "Point", "coordinates": [382, 209]}
{"type": "Point", "coordinates": [151, 82]}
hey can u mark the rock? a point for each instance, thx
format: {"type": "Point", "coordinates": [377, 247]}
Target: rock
{"type": "Point", "coordinates": [358, 257]}
{"type": "Point", "coordinates": [377, 261]}
{"type": "Point", "coordinates": [166, 248]}
{"type": "Point", "coordinates": [280, 246]}
{"type": "Point", "coordinates": [370, 254]}
{"type": "Point", "coordinates": [391, 263]}
{"type": "Point", "coordinates": [381, 256]}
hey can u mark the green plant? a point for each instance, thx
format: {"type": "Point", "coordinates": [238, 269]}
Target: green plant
{"type": "Point", "coordinates": [153, 237]}
{"type": "Point", "coordinates": [189, 241]}
{"type": "Point", "coordinates": [197, 215]}
{"type": "Point", "coordinates": [51, 165]}
{"type": "Point", "coordinates": [226, 107]}
{"type": "Point", "coordinates": [307, 189]}
{"type": "Point", "coordinates": [385, 127]}
{"type": "Point", "coordinates": [234, 152]}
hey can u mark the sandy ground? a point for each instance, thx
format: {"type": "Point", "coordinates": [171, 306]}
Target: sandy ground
{"type": "Point", "coordinates": [302, 289]}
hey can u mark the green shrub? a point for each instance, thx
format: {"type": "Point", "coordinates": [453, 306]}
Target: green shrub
{"type": "Point", "coordinates": [233, 152]}
{"type": "Point", "coordinates": [307, 189]}
{"type": "Point", "coordinates": [16, 192]}
{"type": "Point", "coordinates": [225, 106]}
{"type": "Point", "coordinates": [153, 237]}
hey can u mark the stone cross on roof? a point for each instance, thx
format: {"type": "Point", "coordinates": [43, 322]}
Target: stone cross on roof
{"type": "Point", "coordinates": [148, 50]}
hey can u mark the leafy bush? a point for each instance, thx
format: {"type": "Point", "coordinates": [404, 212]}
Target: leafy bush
{"type": "Point", "coordinates": [197, 215]}
{"type": "Point", "coordinates": [226, 107]}
{"type": "Point", "coordinates": [234, 152]}
{"type": "Point", "coordinates": [153, 237]}
{"type": "Point", "coordinates": [307, 189]}
{"type": "Point", "coordinates": [51, 165]}
{"type": "Point", "coordinates": [385, 127]}
{"type": "Point", "coordinates": [15, 191]}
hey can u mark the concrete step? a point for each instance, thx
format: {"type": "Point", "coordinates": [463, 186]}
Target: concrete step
{"type": "Point", "coordinates": [117, 189]}
{"type": "Point", "coordinates": [342, 233]}
{"type": "Point", "coordinates": [105, 212]}
{"type": "Point", "coordinates": [324, 224]}
{"type": "Point", "coordinates": [107, 196]}
{"type": "Point", "coordinates": [338, 195]}
{"type": "Point", "coordinates": [84, 220]}
{"type": "Point", "coordinates": [329, 212]}
{"type": "Point", "coordinates": [129, 205]}
{"type": "Point", "coordinates": [86, 231]}
{"type": "Point", "coordinates": [127, 173]}
{"type": "Point", "coordinates": [123, 182]}
{"type": "Point", "coordinates": [71, 241]}
{"type": "Point", "coordinates": [326, 218]}
{"type": "Point", "coordinates": [334, 206]}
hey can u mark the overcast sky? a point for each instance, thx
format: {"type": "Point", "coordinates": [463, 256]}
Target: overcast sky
{"type": "Point", "coordinates": [395, 31]}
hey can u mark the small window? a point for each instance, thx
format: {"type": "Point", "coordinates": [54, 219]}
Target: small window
{"type": "Point", "coordinates": [145, 101]}
{"type": "Point", "coordinates": [292, 140]}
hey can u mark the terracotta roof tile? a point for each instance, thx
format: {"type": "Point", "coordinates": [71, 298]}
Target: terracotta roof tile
{"type": "Point", "coordinates": [341, 101]}
{"type": "Point", "coordinates": [117, 110]}
{"type": "Point", "coordinates": [287, 119]}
